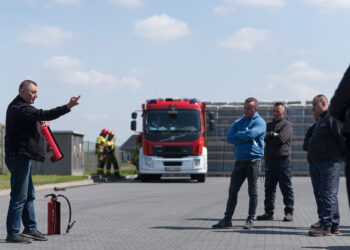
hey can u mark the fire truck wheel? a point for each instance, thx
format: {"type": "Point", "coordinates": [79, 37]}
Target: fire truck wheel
{"type": "Point", "coordinates": [149, 177]}
{"type": "Point", "coordinates": [199, 177]}
{"type": "Point", "coordinates": [144, 177]}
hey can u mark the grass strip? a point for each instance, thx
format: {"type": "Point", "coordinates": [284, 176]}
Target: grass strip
{"type": "Point", "coordinates": [41, 179]}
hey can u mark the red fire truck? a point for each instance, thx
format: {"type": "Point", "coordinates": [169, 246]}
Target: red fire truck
{"type": "Point", "coordinates": [173, 139]}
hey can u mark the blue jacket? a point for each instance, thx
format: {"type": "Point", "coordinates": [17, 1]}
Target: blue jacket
{"type": "Point", "coordinates": [247, 135]}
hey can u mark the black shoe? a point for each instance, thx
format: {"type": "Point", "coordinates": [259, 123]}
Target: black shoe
{"type": "Point", "coordinates": [335, 231]}
{"type": "Point", "coordinates": [288, 217]}
{"type": "Point", "coordinates": [265, 216]}
{"type": "Point", "coordinates": [316, 225]}
{"type": "Point", "coordinates": [35, 235]}
{"type": "Point", "coordinates": [222, 224]}
{"type": "Point", "coordinates": [18, 239]}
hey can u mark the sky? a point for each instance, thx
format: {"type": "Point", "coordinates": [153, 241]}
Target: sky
{"type": "Point", "coordinates": [117, 54]}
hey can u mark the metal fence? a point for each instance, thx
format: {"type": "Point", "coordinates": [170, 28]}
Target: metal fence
{"type": "Point", "coordinates": [90, 157]}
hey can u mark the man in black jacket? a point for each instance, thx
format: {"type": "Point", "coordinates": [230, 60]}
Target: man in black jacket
{"type": "Point", "coordinates": [324, 156]}
{"type": "Point", "coordinates": [25, 142]}
{"type": "Point", "coordinates": [278, 169]}
{"type": "Point", "coordinates": [340, 109]}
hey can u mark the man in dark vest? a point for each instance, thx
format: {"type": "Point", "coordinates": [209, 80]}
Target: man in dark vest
{"type": "Point", "coordinates": [324, 155]}
{"type": "Point", "coordinates": [340, 109]}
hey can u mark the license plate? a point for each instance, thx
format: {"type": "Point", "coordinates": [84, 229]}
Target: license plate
{"type": "Point", "coordinates": [172, 168]}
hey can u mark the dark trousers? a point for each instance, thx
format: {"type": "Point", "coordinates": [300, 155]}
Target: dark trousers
{"type": "Point", "coordinates": [325, 182]}
{"type": "Point", "coordinates": [21, 207]}
{"type": "Point", "coordinates": [278, 170]}
{"type": "Point", "coordinates": [241, 171]}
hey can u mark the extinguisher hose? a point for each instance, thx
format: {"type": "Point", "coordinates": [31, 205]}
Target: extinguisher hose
{"type": "Point", "coordinates": [70, 225]}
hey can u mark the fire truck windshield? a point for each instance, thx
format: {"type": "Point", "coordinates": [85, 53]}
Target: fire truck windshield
{"type": "Point", "coordinates": [181, 120]}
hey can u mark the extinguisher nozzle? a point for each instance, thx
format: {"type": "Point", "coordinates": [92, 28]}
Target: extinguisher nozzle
{"type": "Point", "coordinates": [70, 226]}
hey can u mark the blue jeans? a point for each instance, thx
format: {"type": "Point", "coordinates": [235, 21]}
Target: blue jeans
{"type": "Point", "coordinates": [241, 171]}
{"type": "Point", "coordinates": [278, 170]}
{"type": "Point", "coordinates": [21, 205]}
{"type": "Point", "coordinates": [325, 182]}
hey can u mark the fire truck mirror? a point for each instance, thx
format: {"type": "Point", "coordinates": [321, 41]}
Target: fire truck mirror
{"type": "Point", "coordinates": [133, 125]}
{"type": "Point", "coordinates": [133, 115]}
{"type": "Point", "coordinates": [212, 125]}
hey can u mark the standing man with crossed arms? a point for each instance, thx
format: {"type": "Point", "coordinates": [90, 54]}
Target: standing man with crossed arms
{"type": "Point", "coordinates": [247, 135]}
{"type": "Point", "coordinates": [278, 168]}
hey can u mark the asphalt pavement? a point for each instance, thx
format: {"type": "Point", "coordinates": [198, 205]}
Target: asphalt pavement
{"type": "Point", "coordinates": [129, 214]}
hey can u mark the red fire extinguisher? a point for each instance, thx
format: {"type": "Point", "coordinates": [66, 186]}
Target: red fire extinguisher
{"type": "Point", "coordinates": [52, 146]}
{"type": "Point", "coordinates": [54, 215]}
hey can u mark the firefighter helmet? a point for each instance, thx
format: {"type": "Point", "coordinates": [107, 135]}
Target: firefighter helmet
{"type": "Point", "coordinates": [104, 131]}
{"type": "Point", "coordinates": [111, 133]}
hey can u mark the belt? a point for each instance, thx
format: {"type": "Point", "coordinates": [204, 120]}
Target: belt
{"type": "Point", "coordinates": [250, 161]}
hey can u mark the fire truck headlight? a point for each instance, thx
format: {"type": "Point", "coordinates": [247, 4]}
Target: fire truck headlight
{"type": "Point", "coordinates": [148, 162]}
{"type": "Point", "coordinates": [196, 162]}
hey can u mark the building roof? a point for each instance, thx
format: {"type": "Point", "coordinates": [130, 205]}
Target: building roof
{"type": "Point", "coordinates": [129, 144]}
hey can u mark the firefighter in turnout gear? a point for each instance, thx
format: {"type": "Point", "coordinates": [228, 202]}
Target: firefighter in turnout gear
{"type": "Point", "coordinates": [100, 151]}
{"type": "Point", "coordinates": [110, 156]}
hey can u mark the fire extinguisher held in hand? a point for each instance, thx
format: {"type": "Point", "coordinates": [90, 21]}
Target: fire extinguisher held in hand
{"type": "Point", "coordinates": [54, 215]}
{"type": "Point", "coordinates": [52, 146]}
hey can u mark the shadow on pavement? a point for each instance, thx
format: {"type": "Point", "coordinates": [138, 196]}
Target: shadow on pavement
{"type": "Point", "coordinates": [213, 219]}
{"type": "Point", "coordinates": [180, 228]}
{"type": "Point", "coordinates": [329, 247]}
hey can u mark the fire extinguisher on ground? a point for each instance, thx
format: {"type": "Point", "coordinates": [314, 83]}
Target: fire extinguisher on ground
{"type": "Point", "coordinates": [54, 215]}
{"type": "Point", "coordinates": [52, 146]}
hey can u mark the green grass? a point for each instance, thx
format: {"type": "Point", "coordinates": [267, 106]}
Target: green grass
{"type": "Point", "coordinates": [41, 179]}
{"type": "Point", "coordinates": [125, 169]}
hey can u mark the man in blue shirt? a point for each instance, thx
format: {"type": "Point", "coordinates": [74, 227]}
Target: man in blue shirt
{"type": "Point", "coordinates": [247, 134]}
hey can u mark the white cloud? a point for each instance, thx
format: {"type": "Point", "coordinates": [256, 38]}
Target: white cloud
{"type": "Point", "coordinates": [161, 27]}
{"type": "Point", "coordinates": [258, 3]}
{"type": "Point", "coordinates": [299, 81]}
{"type": "Point", "coordinates": [62, 63]}
{"type": "Point", "coordinates": [72, 2]}
{"type": "Point", "coordinates": [246, 39]}
{"type": "Point", "coordinates": [45, 35]}
{"type": "Point", "coordinates": [128, 3]}
{"type": "Point", "coordinates": [96, 117]}
{"type": "Point", "coordinates": [332, 4]}
{"type": "Point", "coordinates": [70, 71]}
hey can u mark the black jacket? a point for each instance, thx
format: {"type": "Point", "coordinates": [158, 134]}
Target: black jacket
{"type": "Point", "coordinates": [340, 104]}
{"type": "Point", "coordinates": [341, 99]}
{"type": "Point", "coordinates": [280, 145]}
{"type": "Point", "coordinates": [23, 134]}
{"type": "Point", "coordinates": [321, 141]}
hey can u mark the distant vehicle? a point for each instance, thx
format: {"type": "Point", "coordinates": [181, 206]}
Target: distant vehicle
{"type": "Point", "coordinates": [173, 139]}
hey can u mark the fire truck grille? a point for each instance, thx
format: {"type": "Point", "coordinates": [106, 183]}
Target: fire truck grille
{"type": "Point", "coordinates": [177, 151]}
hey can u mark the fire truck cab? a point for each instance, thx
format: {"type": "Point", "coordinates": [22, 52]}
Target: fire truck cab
{"type": "Point", "coordinates": [173, 139]}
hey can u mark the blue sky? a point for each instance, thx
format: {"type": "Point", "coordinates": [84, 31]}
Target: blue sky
{"type": "Point", "coordinates": [118, 53]}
